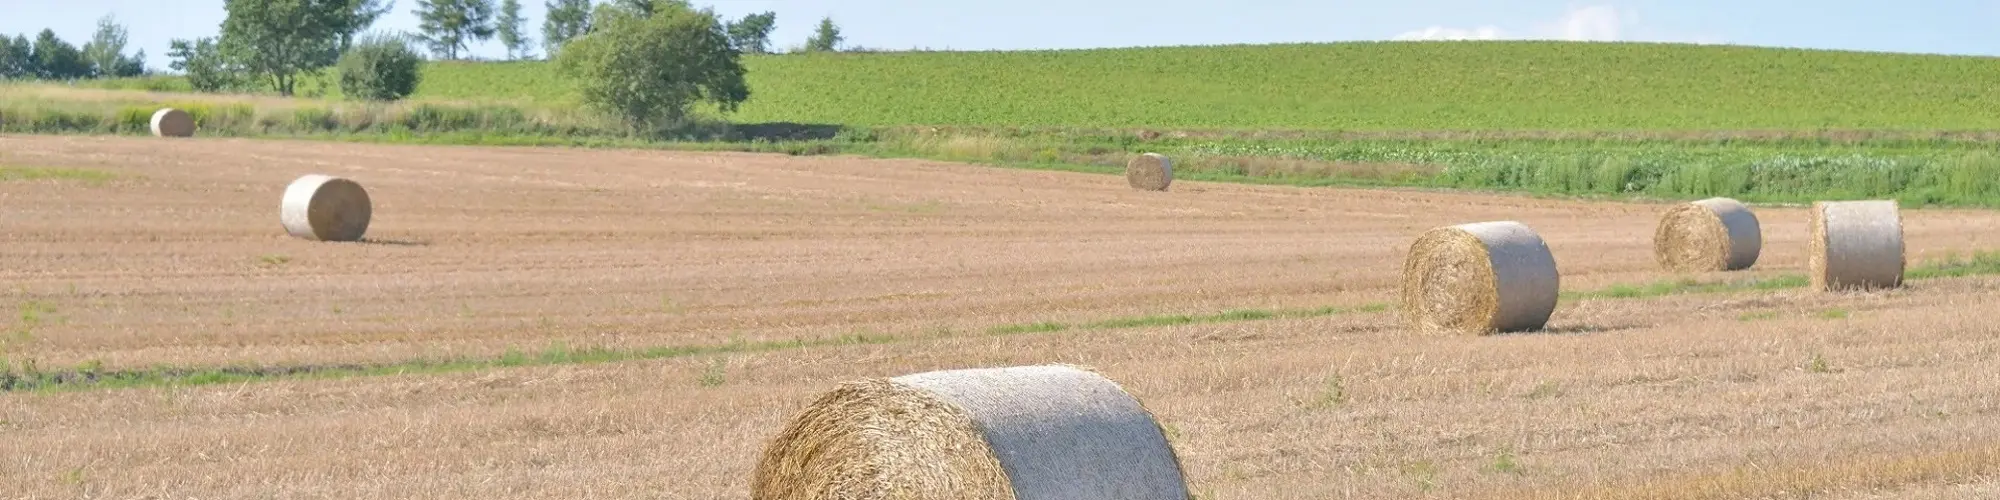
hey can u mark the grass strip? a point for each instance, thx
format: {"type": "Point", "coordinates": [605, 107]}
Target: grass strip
{"type": "Point", "coordinates": [25, 377]}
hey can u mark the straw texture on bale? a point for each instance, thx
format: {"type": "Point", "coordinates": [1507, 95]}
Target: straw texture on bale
{"type": "Point", "coordinates": [1855, 245]}
{"type": "Point", "coordinates": [1479, 278]}
{"type": "Point", "coordinates": [170, 122]}
{"type": "Point", "coordinates": [1150, 171]}
{"type": "Point", "coordinates": [325, 208]}
{"type": "Point", "coordinates": [1716, 234]}
{"type": "Point", "coordinates": [1018, 433]}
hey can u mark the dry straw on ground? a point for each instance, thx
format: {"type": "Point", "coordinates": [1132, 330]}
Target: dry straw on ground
{"type": "Point", "coordinates": [170, 122]}
{"type": "Point", "coordinates": [1855, 245]}
{"type": "Point", "coordinates": [1479, 278]}
{"type": "Point", "coordinates": [1150, 171]}
{"type": "Point", "coordinates": [325, 208]}
{"type": "Point", "coordinates": [1716, 234]}
{"type": "Point", "coordinates": [1026, 433]}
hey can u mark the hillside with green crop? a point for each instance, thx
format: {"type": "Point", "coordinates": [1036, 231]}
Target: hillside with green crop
{"type": "Point", "coordinates": [1589, 119]}
{"type": "Point", "coordinates": [1345, 86]}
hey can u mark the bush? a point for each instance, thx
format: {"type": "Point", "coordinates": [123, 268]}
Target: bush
{"type": "Point", "coordinates": [379, 68]}
{"type": "Point", "coordinates": [648, 70]}
{"type": "Point", "coordinates": [208, 67]}
{"type": "Point", "coordinates": [311, 119]}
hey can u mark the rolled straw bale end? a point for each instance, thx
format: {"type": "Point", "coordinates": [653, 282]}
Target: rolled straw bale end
{"type": "Point", "coordinates": [325, 208]}
{"type": "Point", "coordinates": [1716, 234]}
{"type": "Point", "coordinates": [988, 434]}
{"type": "Point", "coordinates": [1855, 245]}
{"type": "Point", "coordinates": [170, 122]}
{"type": "Point", "coordinates": [1480, 278]}
{"type": "Point", "coordinates": [1150, 172]}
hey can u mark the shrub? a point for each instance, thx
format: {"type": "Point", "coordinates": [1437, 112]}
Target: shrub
{"type": "Point", "coordinates": [379, 68]}
{"type": "Point", "coordinates": [649, 70]}
{"type": "Point", "coordinates": [208, 67]}
{"type": "Point", "coordinates": [310, 119]}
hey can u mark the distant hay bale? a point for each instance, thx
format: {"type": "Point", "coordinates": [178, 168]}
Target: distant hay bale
{"type": "Point", "coordinates": [1716, 234]}
{"type": "Point", "coordinates": [1019, 433]}
{"type": "Point", "coordinates": [1479, 278]}
{"type": "Point", "coordinates": [1150, 171]}
{"type": "Point", "coordinates": [1855, 245]}
{"type": "Point", "coordinates": [170, 122]}
{"type": "Point", "coordinates": [325, 208]}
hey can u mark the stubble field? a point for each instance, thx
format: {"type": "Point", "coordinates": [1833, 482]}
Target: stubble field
{"type": "Point", "coordinates": [1250, 319]}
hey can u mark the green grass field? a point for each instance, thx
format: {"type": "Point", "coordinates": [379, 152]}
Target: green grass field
{"type": "Point", "coordinates": [1593, 119]}
{"type": "Point", "coordinates": [1346, 86]}
{"type": "Point", "coordinates": [1381, 86]}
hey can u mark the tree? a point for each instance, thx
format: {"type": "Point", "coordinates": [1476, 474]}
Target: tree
{"type": "Point", "coordinates": [277, 40]}
{"type": "Point", "coordinates": [566, 19]}
{"type": "Point", "coordinates": [105, 52]}
{"type": "Point", "coordinates": [359, 15]}
{"type": "Point", "coordinates": [56, 59]}
{"type": "Point", "coordinates": [380, 68]}
{"type": "Point", "coordinates": [649, 70]}
{"type": "Point", "coordinates": [752, 33]}
{"type": "Point", "coordinates": [130, 66]}
{"type": "Point", "coordinates": [17, 58]}
{"type": "Point", "coordinates": [648, 7]}
{"type": "Point", "coordinates": [449, 26]}
{"type": "Point", "coordinates": [643, 7]}
{"type": "Point", "coordinates": [510, 27]}
{"type": "Point", "coordinates": [207, 67]}
{"type": "Point", "coordinates": [826, 38]}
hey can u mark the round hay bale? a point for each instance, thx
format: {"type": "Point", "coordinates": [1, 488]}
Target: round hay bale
{"type": "Point", "coordinates": [1855, 245]}
{"type": "Point", "coordinates": [170, 122]}
{"type": "Point", "coordinates": [1018, 433]}
{"type": "Point", "coordinates": [1150, 171]}
{"type": "Point", "coordinates": [1479, 278]}
{"type": "Point", "coordinates": [1716, 234]}
{"type": "Point", "coordinates": [325, 208]}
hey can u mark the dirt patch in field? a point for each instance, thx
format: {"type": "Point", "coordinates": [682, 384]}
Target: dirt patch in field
{"type": "Point", "coordinates": [1681, 401]}
{"type": "Point", "coordinates": [180, 258]}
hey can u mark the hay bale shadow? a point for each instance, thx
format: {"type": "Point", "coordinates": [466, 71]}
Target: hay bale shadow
{"type": "Point", "coordinates": [784, 131]}
{"type": "Point", "coordinates": [1578, 329]}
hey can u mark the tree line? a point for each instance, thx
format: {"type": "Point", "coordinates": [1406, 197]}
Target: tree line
{"type": "Point", "coordinates": [48, 57]}
{"type": "Point", "coordinates": [272, 42]}
{"type": "Point", "coordinates": [646, 62]}
{"type": "Point", "coordinates": [313, 33]}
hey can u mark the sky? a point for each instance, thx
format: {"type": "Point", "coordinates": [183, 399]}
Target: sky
{"type": "Point", "coordinates": [1966, 27]}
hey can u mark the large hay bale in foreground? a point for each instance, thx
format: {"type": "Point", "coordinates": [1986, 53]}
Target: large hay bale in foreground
{"type": "Point", "coordinates": [1026, 433]}
{"type": "Point", "coordinates": [1716, 234]}
{"type": "Point", "coordinates": [325, 208]}
{"type": "Point", "coordinates": [1855, 245]}
{"type": "Point", "coordinates": [170, 122]}
{"type": "Point", "coordinates": [1479, 278]}
{"type": "Point", "coordinates": [1150, 171]}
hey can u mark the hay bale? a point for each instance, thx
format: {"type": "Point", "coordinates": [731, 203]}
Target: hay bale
{"type": "Point", "coordinates": [1479, 278]}
{"type": "Point", "coordinates": [1716, 234]}
{"type": "Point", "coordinates": [325, 208]}
{"type": "Point", "coordinates": [1855, 245]}
{"type": "Point", "coordinates": [1150, 171]}
{"type": "Point", "coordinates": [1027, 433]}
{"type": "Point", "coordinates": [170, 122]}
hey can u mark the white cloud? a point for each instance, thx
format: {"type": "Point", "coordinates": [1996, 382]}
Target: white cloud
{"type": "Point", "coordinates": [1601, 23]}
{"type": "Point", "coordinates": [1443, 33]}
{"type": "Point", "coordinates": [1597, 23]}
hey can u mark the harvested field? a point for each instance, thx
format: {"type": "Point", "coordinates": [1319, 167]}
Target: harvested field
{"type": "Point", "coordinates": [178, 259]}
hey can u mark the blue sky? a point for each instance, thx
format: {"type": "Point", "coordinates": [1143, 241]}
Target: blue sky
{"type": "Point", "coordinates": [1929, 26]}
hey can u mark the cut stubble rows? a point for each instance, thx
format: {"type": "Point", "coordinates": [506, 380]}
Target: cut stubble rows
{"type": "Point", "coordinates": [1246, 317]}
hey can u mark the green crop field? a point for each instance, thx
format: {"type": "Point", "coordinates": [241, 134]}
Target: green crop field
{"type": "Point", "coordinates": [1593, 119]}
{"type": "Point", "coordinates": [1345, 86]}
